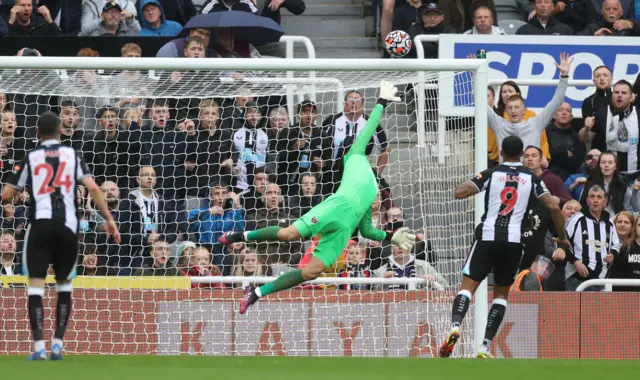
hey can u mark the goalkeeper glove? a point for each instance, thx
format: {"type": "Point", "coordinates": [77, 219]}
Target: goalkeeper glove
{"type": "Point", "coordinates": [403, 239]}
{"type": "Point", "coordinates": [388, 92]}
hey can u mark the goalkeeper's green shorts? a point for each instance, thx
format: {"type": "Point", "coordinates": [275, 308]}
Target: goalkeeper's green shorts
{"type": "Point", "coordinates": [333, 220]}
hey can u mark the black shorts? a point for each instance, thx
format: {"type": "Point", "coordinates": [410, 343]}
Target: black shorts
{"type": "Point", "coordinates": [501, 257]}
{"type": "Point", "coordinates": [50, 242]}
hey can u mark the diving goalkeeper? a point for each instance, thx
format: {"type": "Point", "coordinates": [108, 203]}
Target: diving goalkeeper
{"type": "Point", "coordinates": [335, 219]}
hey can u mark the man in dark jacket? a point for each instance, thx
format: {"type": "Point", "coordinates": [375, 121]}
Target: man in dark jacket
{"type": "Point", "coordinates": [612, 23]}
{"type": "Point", "coordinates": [23, 21]}
{"type": "Point", "coordinates": [567, 152]}
{"type": "Point", "coordinates": [432, 23]}
{"type": "Point", "coordinates": [459, 13]}
{"type": "Point", "coordinates": [543, 23]}
{"type": "Point", "coordinates": [272, 8]}
{"type": "Point", "coordinates": [101, 151]}
{"type": "Point", "coordinates": [4, 29]}
{"type": "Point", "coordinates": [70, 13]}
{"type": "Point", "coordinates": [577, 14]}
{"type": "Point", "coordinates": [602, 78]}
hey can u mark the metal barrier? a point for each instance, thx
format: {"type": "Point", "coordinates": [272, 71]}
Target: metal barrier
{"type": "Point", "coordinates": [608, 283]}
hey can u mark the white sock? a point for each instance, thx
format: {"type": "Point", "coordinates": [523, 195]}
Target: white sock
{"type": "Point", "coordinates": [258, 293]}
{"type": "Point", "coordinates": [58, 342]}
{"type": "Point", "coordinates": [38, 345]}
{"type": "Point", "coordinates": [246, 235]}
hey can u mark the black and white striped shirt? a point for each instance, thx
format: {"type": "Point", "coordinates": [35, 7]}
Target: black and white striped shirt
{"type": "Point", "coordinates": [591, 240]}
{"type": "Point", "coordinates": [51, 174]}
{"type": "Point", "coordinates": [510, 188]}
{"type": "Point", "coordinates": [339, 127]}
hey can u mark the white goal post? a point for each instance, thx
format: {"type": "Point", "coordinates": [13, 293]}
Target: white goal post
{"type": "Point", "coordinates": [326, 80]}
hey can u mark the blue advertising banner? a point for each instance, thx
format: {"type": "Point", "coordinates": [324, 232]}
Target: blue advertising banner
{"type": "Point", "coordinates": [534, 57]}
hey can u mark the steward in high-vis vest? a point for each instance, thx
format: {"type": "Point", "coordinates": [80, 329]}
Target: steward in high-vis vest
{"type": "Point", "coordinates": [532, 279]}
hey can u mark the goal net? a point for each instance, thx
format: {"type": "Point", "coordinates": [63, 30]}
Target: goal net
{"type": "Point", "coordinates": [185, 155]}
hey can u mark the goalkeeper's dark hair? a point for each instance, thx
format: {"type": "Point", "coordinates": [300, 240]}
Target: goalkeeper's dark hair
{"type": "Point", "coordinates": [512, 148]}
{"type": "Point", "coordinates": [48, 125]}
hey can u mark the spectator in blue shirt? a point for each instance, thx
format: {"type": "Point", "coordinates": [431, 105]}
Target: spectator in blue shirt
{"type": "Point", "coordinates": [221, 213]}
{"type": "Point", "coordinates": [154, 22]}
{"type": "Point", "coordinates": [575, 182]}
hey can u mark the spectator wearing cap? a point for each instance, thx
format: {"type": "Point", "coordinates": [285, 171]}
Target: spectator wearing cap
{"type": "Point", "coordinates": [180, 11]}
{"type": "Point", "coordinates": [432, 23]}
{"type": "Point", "coordinates": [114, 23]}
{"type": "Point", "coordinates": [154, 22]}
{"type": "Point", "coordinates": [229, 5]}
{"type": "Point", "coordinates": [308, 148]}
{"type": "Point", "coordinates": [483, 23]}
{"type": "Point", "coordinates": [251, 144]}
{"type": "Point", "coordinates": [92, 14]}
{"type": "Point", "coordinates": [459, 13]}
{"type": "Point", "coordinates": [612, 23]}
{"type": "Point", "coordinates": [543, 23]}
{"type": "Point", "coordinates": [577, 14]}
{"type": "Point", "coordinates": [23, 21]}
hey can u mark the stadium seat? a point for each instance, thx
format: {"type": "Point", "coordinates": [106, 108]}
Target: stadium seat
{"type": "Point", "coordinates": [511, 26]}
{"type": "Point", "coordinates": [508, 10]}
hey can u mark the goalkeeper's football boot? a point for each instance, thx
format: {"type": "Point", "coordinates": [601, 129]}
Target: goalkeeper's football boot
{"type": "Point", "coordinates": [56, 352]}
{"type": "Point", "coordinates": [38, 355]}
{"type": "Point", "coordinates": [250, 297]}
{"type": "Point", "coordinates": [447, 347]}
{"type": "Point", "coordinates": [484, 355]}
{"type": "Point", "coordinates": [231, 237]}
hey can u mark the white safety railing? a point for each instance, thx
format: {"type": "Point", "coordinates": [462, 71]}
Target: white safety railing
{"type": "Point", "coordinates": [608, 283]}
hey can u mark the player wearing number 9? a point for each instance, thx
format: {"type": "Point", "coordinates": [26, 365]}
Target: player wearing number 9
{"type": "Point", "coordinates": [51, 173]}
{"type": "Point", "coordinates": [510, 190]}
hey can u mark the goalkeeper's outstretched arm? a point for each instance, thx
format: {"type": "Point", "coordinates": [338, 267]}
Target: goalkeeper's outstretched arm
{"type": "Point", "coordinates": [387, 93]}
{"type": "Point", "coordinates": [400, 238]}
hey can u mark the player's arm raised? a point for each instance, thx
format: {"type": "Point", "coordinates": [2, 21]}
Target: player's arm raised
{"type": "Point", "coordinates": [98, 197]}
{"type": "Point", "coordinates": [387, 94]}
{"type": "Point", "coordinates": [401, 238]}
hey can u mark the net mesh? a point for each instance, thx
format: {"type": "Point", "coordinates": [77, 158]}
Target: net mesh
{"type": "Point", "coordinates": [160, 143]}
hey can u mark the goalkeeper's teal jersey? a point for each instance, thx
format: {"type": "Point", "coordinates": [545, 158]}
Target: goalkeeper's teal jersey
{"type": "Point", "coordinates": [359, 184]}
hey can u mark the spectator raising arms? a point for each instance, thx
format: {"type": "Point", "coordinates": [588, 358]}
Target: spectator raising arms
{"type": "Point", "coordinates": [154, 22]}
{"type": "Point", "coordinates": [529, 131]}
{"type": "Point", "coordinates": [23, 21]}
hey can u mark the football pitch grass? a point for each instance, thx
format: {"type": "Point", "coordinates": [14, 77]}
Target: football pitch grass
{"type": "Point", "coordinates": [305, 368]}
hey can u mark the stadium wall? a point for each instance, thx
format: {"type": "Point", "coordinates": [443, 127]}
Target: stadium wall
{"type": "Point", "coordinates": [309, 323]}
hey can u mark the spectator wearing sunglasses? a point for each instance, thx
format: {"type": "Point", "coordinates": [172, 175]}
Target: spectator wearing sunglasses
{"type": "Point", "coordinates": [575, 182]}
